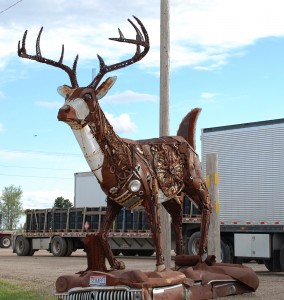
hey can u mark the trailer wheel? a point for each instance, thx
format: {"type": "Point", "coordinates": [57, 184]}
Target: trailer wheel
{"type": "Point", "coordinates": [273, 264]}
{"type": "Point", "coordinates": [193, 243]}
{"type": "Point", "coordinates": [226, 251]}
{"type": "Point", "coordinates": [58, 246]}
{"type": "Point", "coordinates": [5, 242]}
{"type": "Point", "coordinates": [226, 247]}
{"type": "Point", "coordinates": [31, 252]}
{"type": "Point", "coordinates": [282, 258]}
{"type": "Point", "coordinates": [70, 247]}
{"type": "Point", "coordinates": [22, 246]}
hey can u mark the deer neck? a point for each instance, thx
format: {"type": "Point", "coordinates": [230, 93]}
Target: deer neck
{"type": "Point", "coordinates": [98, 142]}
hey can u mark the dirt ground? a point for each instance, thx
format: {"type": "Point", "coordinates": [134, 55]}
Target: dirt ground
{"type": "Point", "coordinates": [41, 271]}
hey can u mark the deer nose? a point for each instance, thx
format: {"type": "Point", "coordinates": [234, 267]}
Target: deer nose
{"type": "Point", "coordinates": [63, 112]}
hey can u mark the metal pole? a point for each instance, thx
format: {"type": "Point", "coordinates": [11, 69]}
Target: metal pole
{"type": "Point", "coordinates": [212, 182]}
{"type": "Point", "coordinates": [164, 115]}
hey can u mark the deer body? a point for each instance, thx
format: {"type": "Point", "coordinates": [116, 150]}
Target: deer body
{"type": "Point", "coordinates": [132, 173]}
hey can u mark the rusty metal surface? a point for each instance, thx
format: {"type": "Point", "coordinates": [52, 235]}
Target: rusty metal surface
{"type": "Point", "coordinates": [210, 272]}
{"type": "Point", "coordinates": [170, 293]}
{"type": "Point", "coordinates": [132, 173]}
{"type": "Point", "coordinates": [194, 280]}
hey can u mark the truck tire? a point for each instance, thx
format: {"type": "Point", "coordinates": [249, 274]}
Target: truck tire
{"type": "Point", "coordinates": [226, 251]}
{"type": "Point", "coordinates": [282, 258]}
{"type": "Point", "coordinates": [226, 247]}
{"type": "Point", "coordinates": [31, 252]}
{"type": "Point", "coordinates": [273, 264]}
{"type": "Point", "coordinates": [58, 246]}
{"type": "Point", "coordinates": [22, 246]}
{"type": "Point", "coordinates": [193, 243]}
{"type": "Point", "coordinates": [70, 247]}
{"type": "Point", "coordinates": [5, 242]}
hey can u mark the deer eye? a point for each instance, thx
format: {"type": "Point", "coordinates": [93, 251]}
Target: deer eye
{"type": "Point", "coordinates": [87, 97]}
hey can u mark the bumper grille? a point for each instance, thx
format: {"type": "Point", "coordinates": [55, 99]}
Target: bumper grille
{"type": "Point", "coordinates": [102, 293]}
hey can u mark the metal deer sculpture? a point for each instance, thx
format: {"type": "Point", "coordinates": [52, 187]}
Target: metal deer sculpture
{"type": "Point", "coordinates": [132, 173]}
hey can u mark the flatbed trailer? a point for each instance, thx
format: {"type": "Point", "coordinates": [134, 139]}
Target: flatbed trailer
{"type": "Point", "coordinates": [62, 231]}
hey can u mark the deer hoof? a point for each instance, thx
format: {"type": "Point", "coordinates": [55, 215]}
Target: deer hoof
{"type": "Point", "coordinates": [119, 265]}
{"type": "Point", "coordinates": [160, 268]}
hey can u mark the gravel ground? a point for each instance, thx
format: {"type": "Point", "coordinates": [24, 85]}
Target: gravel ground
{"type": "Point", "coordinates": [41, 271]}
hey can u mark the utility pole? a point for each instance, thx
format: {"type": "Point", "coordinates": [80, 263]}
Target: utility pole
{"type": "Point", "coordinates": [165, 115]}
{"type": "Point", "coordinates": [212, 182]}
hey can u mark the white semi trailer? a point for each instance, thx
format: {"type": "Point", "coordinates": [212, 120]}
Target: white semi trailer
{"type": "Point", "coordinates": [251, 188]}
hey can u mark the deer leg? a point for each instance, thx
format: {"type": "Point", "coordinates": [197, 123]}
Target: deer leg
{"type": "Point", "coordinates": [112, 211]}
{"type": "Point", "coordinates": [152, 212]}
{"type": "Point", "coordinates": [173, 207]}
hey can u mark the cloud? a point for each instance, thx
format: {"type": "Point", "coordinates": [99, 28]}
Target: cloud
{"type": "Point", "coordinates": [12, 155]}
{"type": "Point", "coordinates": [206, 95]}
{"type": "Point", "coordinates": [122, 123]}
{"type": "Point", "coordinates": [204, 34]}
{"type": "Point", "coordinates": [43, 198]}
{"type": "Point", "coordinates": [209, 97]}
{"type": "Point", "coordinates": [130, 97]}
{"type": "Point", "coordinates": [47, 104]}
{"type": "Point", "coordinates": [1, 127]}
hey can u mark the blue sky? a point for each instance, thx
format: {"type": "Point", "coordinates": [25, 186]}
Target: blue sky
{"type": "Point", "coordinates": [227, 57]}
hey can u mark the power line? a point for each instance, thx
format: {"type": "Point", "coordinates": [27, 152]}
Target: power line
{"type": "Point", "coordinates": [39, 152]}
{"type": "Point", "coordinates": [36, 168]}
{"type": "Point", "coordinates": [41, 177]}
{"type": "Point", "coordinates": [10, 6]}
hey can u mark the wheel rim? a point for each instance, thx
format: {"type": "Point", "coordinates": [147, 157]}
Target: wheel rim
{"type": "Point", "coordinates": [195, 247]}
{"type": "Point", "coordinates": [20, 246]}
{"type": "Point", "coordinates": [56, 246]}
{"type": "Point", "coordinates": [6, 242]}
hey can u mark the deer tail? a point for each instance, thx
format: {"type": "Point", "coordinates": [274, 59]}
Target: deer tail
{"type": "Point", "coordinates": [187, 127]}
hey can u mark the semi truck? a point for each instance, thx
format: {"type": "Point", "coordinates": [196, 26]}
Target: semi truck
{"type": "Point", "coordinates": [251, 172]}
{"type": "Point", "coordinates": [251, 189]}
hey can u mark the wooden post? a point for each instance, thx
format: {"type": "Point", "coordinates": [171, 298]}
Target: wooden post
{"type": "Point", "coordinates": [164, 115]}
{"type": "Point", "coordinates": [212, 179]}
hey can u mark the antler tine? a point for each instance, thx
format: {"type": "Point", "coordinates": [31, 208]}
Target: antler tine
{"type": "Point", "coordinates": [22, 52]}
{"type": "Point", "coordinates": [141, 40]}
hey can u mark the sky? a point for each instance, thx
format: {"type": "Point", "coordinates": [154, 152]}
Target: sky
{"type": "Point", "coordinates": [226, 57]}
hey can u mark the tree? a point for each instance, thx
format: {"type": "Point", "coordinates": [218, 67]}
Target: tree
{"type": "Point", "coordinates": [11, 206]}
{"type": "Point", "coordinates": [60, 202]}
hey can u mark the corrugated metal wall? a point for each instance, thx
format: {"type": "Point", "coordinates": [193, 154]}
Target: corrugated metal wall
{"type": "Point", "coordinates": [251, 170]}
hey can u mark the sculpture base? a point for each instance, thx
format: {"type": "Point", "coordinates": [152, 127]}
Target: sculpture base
{"type": "Point", "coordinates": [191, 279]}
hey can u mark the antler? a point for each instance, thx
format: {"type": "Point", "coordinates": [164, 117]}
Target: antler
{"type": "Point", "coordinates": [139, 41]}
{"type": "Point", "coordinates": [22, 52]}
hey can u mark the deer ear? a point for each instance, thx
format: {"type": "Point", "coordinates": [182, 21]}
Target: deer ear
{"type": "Point", "coordinates": [105, 86]}
{"type": "Point", "coordinates": [63, 90]}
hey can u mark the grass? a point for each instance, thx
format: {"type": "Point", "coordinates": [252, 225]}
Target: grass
{"type": "Point", "coordinates": [9, 291]}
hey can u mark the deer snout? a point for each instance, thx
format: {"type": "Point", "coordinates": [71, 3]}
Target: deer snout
{"type": "Point", "coordinates": [65, 113]}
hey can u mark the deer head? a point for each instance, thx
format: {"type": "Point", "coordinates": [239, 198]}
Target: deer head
{"type": "Point", "coordinates": [80, 102]}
